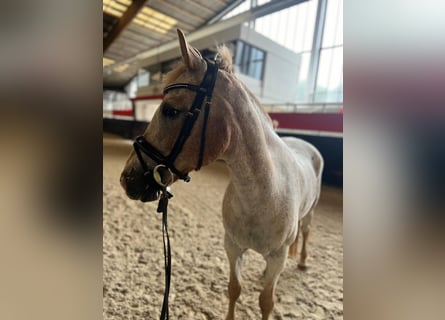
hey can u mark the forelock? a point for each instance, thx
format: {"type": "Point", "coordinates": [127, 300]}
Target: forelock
{"type": "Point", "coordinates": [174, 74]}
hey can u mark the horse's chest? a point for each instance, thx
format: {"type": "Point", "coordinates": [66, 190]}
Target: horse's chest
{"type": "Point", "coordinates": [259, 227]}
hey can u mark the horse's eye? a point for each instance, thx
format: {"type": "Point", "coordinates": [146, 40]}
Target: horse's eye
{"type": "Point", "coordinates": [170, 112]}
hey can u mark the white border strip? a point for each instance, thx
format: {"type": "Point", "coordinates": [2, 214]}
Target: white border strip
{"type": "Point", "coordinates": [311, 132]}
{"type": "Point", "coordinates": [118, 117]}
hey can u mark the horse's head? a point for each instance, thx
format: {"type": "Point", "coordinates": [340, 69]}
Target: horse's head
{"type": "Point", "coordinates": [150, 167]}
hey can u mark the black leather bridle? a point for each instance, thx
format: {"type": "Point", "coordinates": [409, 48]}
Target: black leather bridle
{"type": "Point", "coordinates": [203, 93]}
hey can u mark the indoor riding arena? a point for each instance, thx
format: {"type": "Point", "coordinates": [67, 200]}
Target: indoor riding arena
{"type": "Point", "coordinates": [134, 265]}
{"type": "Point", "coordinates": [263, 72]}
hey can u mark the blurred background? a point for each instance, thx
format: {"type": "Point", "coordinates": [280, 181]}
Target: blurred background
{"type": "Point", "coordinates": [394, 160]}
{"type": "Point", "coordinates": [50, 160]}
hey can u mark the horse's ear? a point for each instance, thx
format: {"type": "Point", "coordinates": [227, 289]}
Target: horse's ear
{"type": "Point", "coordinates": [191, 56]}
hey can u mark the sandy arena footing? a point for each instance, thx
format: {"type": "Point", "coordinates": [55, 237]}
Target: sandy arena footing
{"type": "Point", "coordinates": [133, 269]}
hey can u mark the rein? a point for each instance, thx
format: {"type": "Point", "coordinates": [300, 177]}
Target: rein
{"type": "Point", "coordinates": [153, 177]}
{"type": "Point", "coordinates": [162, 208]}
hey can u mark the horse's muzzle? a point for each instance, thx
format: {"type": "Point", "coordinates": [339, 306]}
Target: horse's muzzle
{"type": "Point", "coordinates": [139, 188]}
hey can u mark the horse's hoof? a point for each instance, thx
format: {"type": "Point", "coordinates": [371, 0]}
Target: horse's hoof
{"type": "Point", "coordinates": [302, 267]}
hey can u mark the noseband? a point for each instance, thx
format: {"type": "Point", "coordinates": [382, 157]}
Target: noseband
{"type": "Point", "coordinates": [203, 93]}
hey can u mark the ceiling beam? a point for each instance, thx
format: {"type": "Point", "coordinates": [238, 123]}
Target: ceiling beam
{"type": "Point", "coordinates": [126, 18]}
{"type": "Point", "coordinates": [249, 15]}
{"type": "Point", "coordinates": [224, 11]}
{"type": "Point", "coordinates": [137, 61]}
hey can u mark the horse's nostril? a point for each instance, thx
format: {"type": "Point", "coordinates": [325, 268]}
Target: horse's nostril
{"type": "Point", "coordinates": [127, 181]}
{"type": "Point", "coordinates": [123, 181]}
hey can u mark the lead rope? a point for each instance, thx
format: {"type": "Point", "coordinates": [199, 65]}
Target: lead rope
{"type": "Point", "coordinates": [162, 208]}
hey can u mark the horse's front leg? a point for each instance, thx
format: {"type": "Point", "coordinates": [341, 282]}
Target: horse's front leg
{"type": "Point", "coordinates": [235, 255]}
{"type": "Point", "coordinates": [275, 264]}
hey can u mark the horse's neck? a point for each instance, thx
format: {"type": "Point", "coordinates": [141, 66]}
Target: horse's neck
{"type": "Point", "coordinates": [250, 156]}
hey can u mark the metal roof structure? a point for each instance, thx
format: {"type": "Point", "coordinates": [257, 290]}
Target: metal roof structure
{"type": "Point", "coordinates": [136, 30]}
{"type": "Point", "coordinates": [134, 26]}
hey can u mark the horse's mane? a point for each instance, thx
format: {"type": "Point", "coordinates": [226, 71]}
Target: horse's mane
{"type": "Point", "coordinates": [225, 59]}
{"type": "Point", "coordinates": [225, 63]}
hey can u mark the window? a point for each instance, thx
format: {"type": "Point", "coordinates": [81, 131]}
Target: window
{"type": "Point", "coordinates": [143, 78]}
{"type": "Point", "coordinates": [333, 28]}
{"type": "Point", "coordinates": [293, 28]}
{"type": "Point", "coordinates": [302, 86]}
{"type": "Point", "coordinates": [329, 85]}
{"type": "Point", "coordinates": [249, 60]}
{"type": "Point", "coordinates": [320, 78]}
{"type": "Point", "coordinates": [330, 76]}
